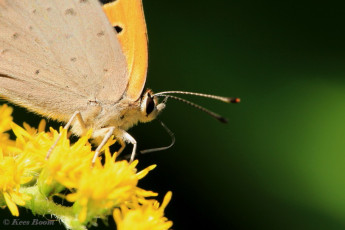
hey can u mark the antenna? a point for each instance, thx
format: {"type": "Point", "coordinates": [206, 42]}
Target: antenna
{"type": "Point", "coordinates": [219, 98]}
{"type": "Point", "coordinates": [209, 112]}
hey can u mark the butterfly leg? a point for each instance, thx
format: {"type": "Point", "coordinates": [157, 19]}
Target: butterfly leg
{"type": "Point", "coordinates": [109, 131]}
{"type": "Point", "coordinates": [123, 137]}
{"type": "Point", "coordinates": [123, 145]}
{"type": "Point", "coordinates": [129, 139]}
{"type": "Point", "coordinates": [82, 124]}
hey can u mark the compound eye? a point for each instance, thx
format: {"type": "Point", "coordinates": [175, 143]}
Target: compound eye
{"type": "Point", "coordinates": [150, 105]}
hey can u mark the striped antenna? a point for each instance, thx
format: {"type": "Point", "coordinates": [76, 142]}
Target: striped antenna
{"type": "Point", "coordinates": [219, 98]}
{"type": "Point", "coordinates": [209, 112]}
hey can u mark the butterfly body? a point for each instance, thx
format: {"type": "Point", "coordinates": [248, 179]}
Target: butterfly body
{"type": "Point", "coordinates": [121, 115]}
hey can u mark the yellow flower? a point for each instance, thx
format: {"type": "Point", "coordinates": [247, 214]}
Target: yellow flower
{"type": "Point", "coordinates": [14, 172]}
{"type": "Point", "coordinates": [23, 160]}
{"type": "Point", "coordinates": [18, 165]}
{"type": "Point", "coordinates": [95, 191]}
{"type": "Point", "coordinates": [5, 118]}
{"type": "Point", "coordinates": [31, 144]}
{"type": "Point", "coordinates": [148, 216]}
{"type": "Point", "coordinates": [5, 125]}
{"type": "Point", "coordinates": [67, 162]}
{"type": "Point", "coordinates": [106, 186]}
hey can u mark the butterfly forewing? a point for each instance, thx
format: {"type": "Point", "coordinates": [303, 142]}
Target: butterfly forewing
{"type": "Point", "coordinates": [57, 55]}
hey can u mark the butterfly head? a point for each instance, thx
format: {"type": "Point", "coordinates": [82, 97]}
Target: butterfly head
{"type": "Point", "coordinates": [150, 106]}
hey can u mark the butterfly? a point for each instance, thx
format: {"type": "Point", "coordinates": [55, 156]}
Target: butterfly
{"type": "Point", "coordinates": [82, 63]}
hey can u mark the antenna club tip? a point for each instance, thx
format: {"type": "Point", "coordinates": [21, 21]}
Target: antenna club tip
{"type": "Point", "coordinates": [234, 100]}
{"type": "Point", "coordinates": [223, 120]}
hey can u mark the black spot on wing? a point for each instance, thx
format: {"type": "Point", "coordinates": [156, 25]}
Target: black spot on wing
{"type": "Point", "coordinates": [107, 1]}
{"type": "Point", "coordinates": [70, 11]}
{"type": "Point", "coordinates": [15, 35]}
{"type": "Point", "coordinates": [118, 29]}
{"type": "Point", "coordinates": [100, 34]}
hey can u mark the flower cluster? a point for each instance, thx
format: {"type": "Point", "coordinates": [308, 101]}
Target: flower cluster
{"type": "Point", "coordinates": [30, 180]}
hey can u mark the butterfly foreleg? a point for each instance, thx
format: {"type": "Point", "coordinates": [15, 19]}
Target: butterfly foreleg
{"type": "Point", "coordinates": [75, 115]}
{"type": "Point", "coordinates": [122, 144]}
{"type": "Point", "coordinates": [108, 132]}
{"type": "Point", "coordinates": [129, 139]}
{"type": "Point", "coordinates": [123, 138]}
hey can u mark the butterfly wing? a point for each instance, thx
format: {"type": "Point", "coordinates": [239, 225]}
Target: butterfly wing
{"type": "Point", "coordinates": [57, 55]}
{"type": "Point", "coordinates": [128, 18]}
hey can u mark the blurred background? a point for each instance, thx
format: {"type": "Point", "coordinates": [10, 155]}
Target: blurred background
{"type": "Point", "coordinates": [280, 161]}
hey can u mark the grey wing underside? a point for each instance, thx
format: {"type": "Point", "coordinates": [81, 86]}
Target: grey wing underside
{"type": "Point", "coordinates": [56, 55]}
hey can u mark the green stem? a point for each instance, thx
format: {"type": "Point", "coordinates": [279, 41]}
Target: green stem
{"type": "Point", "coordinates": [41, 205]}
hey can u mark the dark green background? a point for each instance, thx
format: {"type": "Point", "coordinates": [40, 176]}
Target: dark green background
{"type": "Point", "coordinates": [280, 162]}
